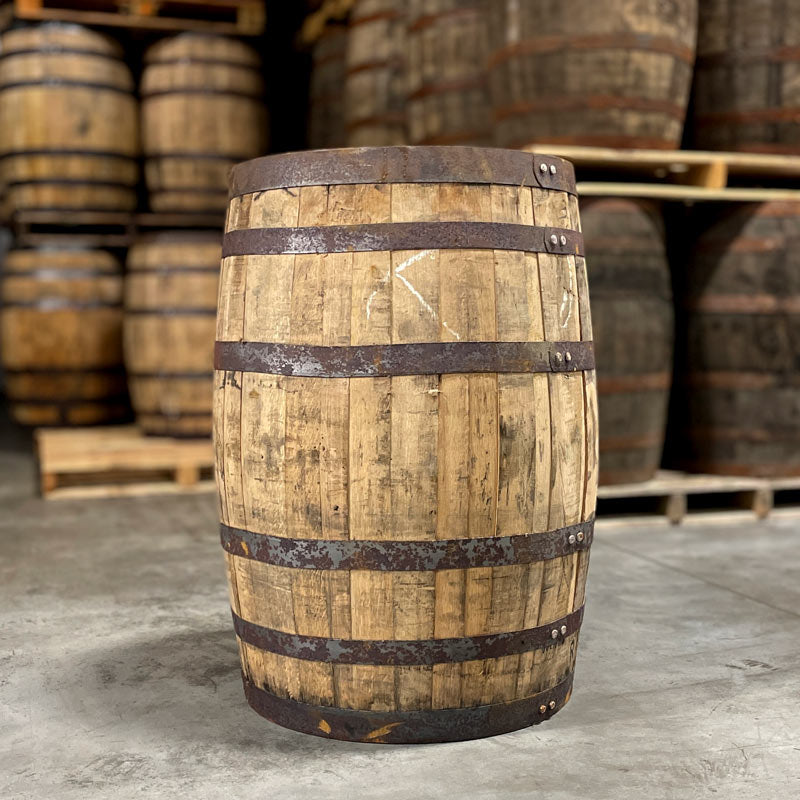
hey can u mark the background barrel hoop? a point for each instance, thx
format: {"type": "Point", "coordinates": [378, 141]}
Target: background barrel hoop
{"type": "Point", "coordinates": [408, 727]}
{"type": "Point", "coordinates": [60, 51]}
{"type": "Point", "coordinates": [385, 165]}
{"type": "Point", "coordinates": [176, 376]}
{"type": "Point", "coordinates": [65, 83]}
{"type": "Point", "coordinates": [203, 90]}
{"type": "Point", "coordinates": [414, 556]}
{"type": "Point", "coordinates": [61, 304]}
{"type": "Point", "coordinates": [54, 274]}
{"type": "Point", "coordinates": [393, 236]}
{"type": "Point", "coordinates": [407, 653]}
{"type": "Point", "coordinates": [154, 155]}
{"type": "Point", "coordinates": [71, 182]}
{"type": "Point", "coordinates": [373, 361]}
{"type": "Point", "coordinates": [66, 153]}
{"type": "Point", "coordinates": [176, 311]}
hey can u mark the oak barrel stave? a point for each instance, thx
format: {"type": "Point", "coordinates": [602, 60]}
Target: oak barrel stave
{"type": "Point", "coordinates": [411, 459]}
{"type": "Point", "coordinates": [741, 401]}
{"type": "Point", "coordinates": [589, 72]}
{"type": "Point", "coordinates": [633, 320]}
{"type": "Point", "coordinates": [746, 94]}
{"type": "Point", "coordinates": [202, 112]}
{"type": "Point", "coordinates": [170, 305]}
{"type": "Point", "coordinates": [61, 337]}
{"type": "Point", "coordinates": [447, 80]}
{"type": "Point", "coordinates": [68, 121]}
{"type": "Point", "coordinates": [375, 78]}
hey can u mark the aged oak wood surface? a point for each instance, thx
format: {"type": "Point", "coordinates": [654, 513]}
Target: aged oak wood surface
{"type": "Point", "coordinates": [407, 458]}
{"type": "Point", "coordinates": [447, 77]}
{"type": "Point", "coordinates": [202, 112]}
{"type": "Point", "coordinates": [740, 413]}
{"type": "Point", "coordinates": [170, 305]}
{"type": "Point", "coordinates": [612, 73]}
{"type": "Point", "coordinates": [68, 121]}
{"type": "Point", "coordinates": [61, 336]}
{"type": "Point", "coordinates": [747, 85]}
{"type": "Point", "coordinates": [633, 319]}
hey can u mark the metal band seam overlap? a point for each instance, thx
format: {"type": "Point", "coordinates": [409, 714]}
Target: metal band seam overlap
{"type": "Point", "coordinates": [409, 727]}
{"type": "Point", "coordinates": [414, 556]}
{"type": "Point", "coordinates": [393, 236]}
{"type": "Point", "coordinates": [375, 361]}
{"type": "Point", "coordinates": [418, 652]}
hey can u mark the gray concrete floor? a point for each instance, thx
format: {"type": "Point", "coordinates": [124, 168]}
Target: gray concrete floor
{"type": "Point", "coordinates": [119, 675]}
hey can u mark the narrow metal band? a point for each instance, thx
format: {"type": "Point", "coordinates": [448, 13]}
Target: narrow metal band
{"type": "Point", "coordinates": [71, 402]}
{"type": "Point", "coordinates": [71, 182]}
{"type": "Point", "coordinates": [171, 312]}
{"type": "Point", "coordinates": [206, 90]}
{"type": "Point", "coordinates": [57, 304]}
{"type": "Point", "coordinates": [61, 83]}
{"type": "Point", "coordinates": [744, 58]}
{"type": "Point", "coordinates": [383, 165]}
{"type": "Point", "coordinates": [791, 114]}
{"type": "Point", "coordinates": [59, 51]}
{"type": "Point", "coordinates": [56, 153]}
{"type": "Point", "coordinates": [462, 85]}
{"type": "Point", "coordinates": [88, 371]}
{"type": "Point", "coordinates": [151, 412]}
{"type": "Point", "coordinates": [190, 61]}
{"type": "Point", "coordinates": [585, 103]}
{"type": "Point", "coordinates": [375, 361]}
{"type": "Point", "coordinates": [408, 556]}
{"type": "Point", "coordinates": [394, 236]}
{"type": "Point", "coordinates": [407, 653]}
{"type": "Point", "coordinates": [60, 274]}
{"type": "Point", "coordinates": [409, 727]}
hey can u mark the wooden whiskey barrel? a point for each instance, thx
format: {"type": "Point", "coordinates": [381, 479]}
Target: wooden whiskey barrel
{"type": "Point", "coordinates": [634, 327]}
{"type": "Point", "coordinates": [741, 363]}
{"type": "Point", "coordinates": [202, 112]}
{"type": "Point", "coordinates": [591, 72]}
{"type": "Point", "coordinates": [68, 121]}
{"type": "Point", "coordinates": [448, 91]}
{"type": "Point", "coordinates": [61, 336]}
{"type": "Point", "coordinates": [170, 303]}
{"type": "Point", "coordinates": [748, 62]}
{"type": "Point", "coordinates": [375, 89]}
{"type": "Point", "coordinates": [405, 427]}
{"type": "Point", "coordinates": [326, 125]}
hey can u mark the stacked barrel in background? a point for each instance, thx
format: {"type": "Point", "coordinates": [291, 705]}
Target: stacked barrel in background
{"type": "Point", "coordinates": [326, 125]}
{"type": "Point", "coordinates": [747, 85]}
{"type": "Point", "coordinates": [202, 112]}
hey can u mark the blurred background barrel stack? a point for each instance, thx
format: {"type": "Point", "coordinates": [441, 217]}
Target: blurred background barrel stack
{"type": "Point", "coordinates": [170, 306]}
{"type": "Point", "coordinates": [202, 112]}
{"type": "Point", "coordinates": [633, 332]}
{"type": "Point", "coordinates": [61, 336]}
{"type": "Point", "coordinates": [326, 124]}
{"type": "Point", "coordinates": [747, 87]}
{"type": "Point", "coordinates": [739, 409]}
{"type": "Point", "coordinates": [448, 92]}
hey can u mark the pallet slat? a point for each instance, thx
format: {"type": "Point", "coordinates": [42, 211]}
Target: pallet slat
{"type": "Point", "coordinates": [119, 462]}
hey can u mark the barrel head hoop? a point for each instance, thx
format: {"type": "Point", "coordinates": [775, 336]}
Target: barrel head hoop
{"type": "Point", "coordinates": [371, 165]}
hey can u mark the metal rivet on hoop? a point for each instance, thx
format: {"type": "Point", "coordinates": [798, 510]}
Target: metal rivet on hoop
{"type": "Point", "coordinates": [563, 241]}
{"type": "Point", "coordinates": [572, 538]}
{"type": "Point", "coordinates": [542, 709]}
{"type": "Point", "coordinates": [557, 357]}
{"type": "Point", "coordinates": [554, 634]}
{"type": "Point", "coordinates": [554, 239]}
{"type": "Point", "coordinates": [563, 630]}
{"type": "Point", "coordinates": [567, 356]}
{"type": "Point", "coordinates": [581, 536]}
{"type": "Point", "coordinates": [552, 169]}
{"type": "Point", "coordinates": [552, 705]}
{"type": "Point", "coordinates": [542, 167]}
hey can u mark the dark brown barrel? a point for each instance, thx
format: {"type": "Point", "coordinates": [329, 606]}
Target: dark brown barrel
{"type": "Point", "coordinates": [326, 125]}
{"type": "Point", "coordinates": [61, 336]}
{"type": "Point", "coordinates": [741, 365]}
{"type": "Point", "coordinates": [633, 318]}
{"type": "Point", "coordinates": [591, 72]}
{"type": "Point", "coordinates": [170, 304]}
{"type": "Point", "coordinates": [375, 88]}
{"type": "Point", "coordinates": [448, 87]}
{"type": "Point", "coordinates": [405, 431]}
{"type": "Point", "coordinates": [202, 112]}
{"type": "Point", "coordinates": [69, 127]}
{"type": "Point", "coordinates": [746, 94]}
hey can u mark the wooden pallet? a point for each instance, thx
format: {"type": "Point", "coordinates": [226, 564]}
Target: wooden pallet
{"type": "Point", "coordinates": [682, 175]}
{"type": "Point", "coordinates": [237, 17]}
{"type": "Point", "coordinates": [79, 463]}
{"type": "Point", "coordinates": [676, 495]}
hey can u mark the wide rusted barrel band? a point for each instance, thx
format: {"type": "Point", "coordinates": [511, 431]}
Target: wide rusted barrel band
{"type": "Point", "coordinates": [387, 165]}
{"type": "Point", "coordinates": [414, 556]}
{"type": "Point", "coordinates": [407, 653]}
{"type": "Point", "coordinates": [396, 236]}
{"type": "Point", "coordinates": [386, 360]}
{"type": "Point", "coordinates": [409, 727]}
